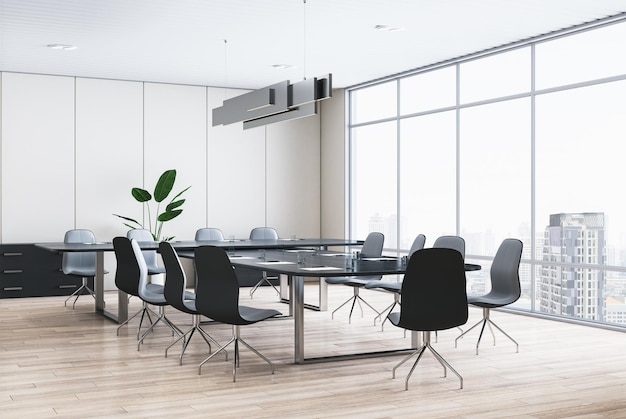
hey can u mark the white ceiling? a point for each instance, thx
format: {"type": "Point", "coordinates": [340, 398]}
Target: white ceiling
{"type": "Point", "coordinates": [182, 41]}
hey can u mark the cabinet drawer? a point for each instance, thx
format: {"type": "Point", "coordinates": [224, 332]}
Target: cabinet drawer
{"type": "Point", "coordinates": [28, 257]}
{"type": "Point", "coordinates": [29, 271]}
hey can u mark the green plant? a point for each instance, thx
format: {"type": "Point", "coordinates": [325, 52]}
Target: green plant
{"type": "Point", "coordinates": [173, 209]}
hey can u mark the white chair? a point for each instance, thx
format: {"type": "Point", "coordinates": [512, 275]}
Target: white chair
{"type": "Point", "coordinates": [80, 264]}
{"type": "Point", "coordinates": [150, 256]}
{"type": "Point", "coordinates": [264, 233]}
{"type": "Point", "coordinates": [372, 247]}
{"type": "Point", "coordinates": [209, 234]}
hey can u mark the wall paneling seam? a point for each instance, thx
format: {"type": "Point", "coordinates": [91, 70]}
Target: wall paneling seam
{"type": "Point", "coordinates": [143, 147]}
{"type": "Point", "coordinates": [1, 143]}
{"type": "Point", "coordinates": [75, 154]}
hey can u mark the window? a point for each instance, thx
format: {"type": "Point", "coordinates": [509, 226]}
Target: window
{"type": "Point", "coordinates": [471, 149]}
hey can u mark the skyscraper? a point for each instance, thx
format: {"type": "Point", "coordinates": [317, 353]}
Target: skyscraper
{"type": "Point", "coordinates": [573, 238]}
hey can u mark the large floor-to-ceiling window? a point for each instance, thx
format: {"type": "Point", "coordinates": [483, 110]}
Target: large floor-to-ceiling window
{"type": "Point", "coordinates": [524, 142]}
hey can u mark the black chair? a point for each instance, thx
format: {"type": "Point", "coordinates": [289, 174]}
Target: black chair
{"type": "Point", "coordinates": [217, 297]}
{"type": "Point", "coordinates": [372, 247]}
{"type": "Point", "coordinates": [433, 298]}
{"type": "Point", "coordinates": [177, 296]}
{"type": "Point", "coordinates": [264, 233]}
{"type": "Point", "coordinates": [80, 264]}
{"type": "Point", "coordinates": [505, 288]}
{"type": "Point", "coordinates": [127, 279]}
{"type": "Point", "coordinates": [394, 287]}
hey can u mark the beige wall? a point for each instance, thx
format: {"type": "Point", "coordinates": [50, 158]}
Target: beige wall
{"type": "Point", "coordinates": [333, 162]}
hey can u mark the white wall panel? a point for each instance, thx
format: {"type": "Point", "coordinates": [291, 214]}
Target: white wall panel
{"type": "Point", "coordinates": [175, 138]}
{"type": "Point", "coordinates": [109, 160]}
{"type": "Point", "coordinates": [236, 167]}
{"type": "Point", "coordinates": [293, 177]}
{"type": "Point", "coordinates": [37, 157]}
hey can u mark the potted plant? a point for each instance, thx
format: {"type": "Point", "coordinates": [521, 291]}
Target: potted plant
{"type": "Point", "coordinates": [173, 209]}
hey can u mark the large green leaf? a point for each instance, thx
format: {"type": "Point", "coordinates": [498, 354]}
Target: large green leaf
{"type": "Point", "coordinates": [181, 192]}
{"type": "Point", "coordinates": [164, 185]}
{"type": "Point", "coordinates": [174, 205]}
{"type": "Point", "coordinates": [128, 219]}
{"type": "Point", "coordinates": [141, 195]}
{"type": "Point", "coordinates": [169, 215]}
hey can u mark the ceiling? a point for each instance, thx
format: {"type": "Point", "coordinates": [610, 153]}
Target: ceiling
{"type": "Point", "coordinates": [236, 43]}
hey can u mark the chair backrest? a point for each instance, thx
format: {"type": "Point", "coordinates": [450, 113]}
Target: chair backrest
{"type": "Point", "coordinates": [373, 245]}
{"type": "Point", "coordinates": [127, 272]}
{"type": "Point", "coordinates": [78, 260]}
{"type": "Point", "coordinates": [263, 233]}
{"type": "Point", "coordinates": [451, 242]}
{"type": "Point", "coordinates": [208, 234]}
{"type": "Point", "coordinates": [505, 270]}
{"type": "Point", "coordinates": [418, 244]}
{"type": "Point", "coordinates": [217, 288]}
{"type": "Point", "coordinates": [433, 291]}
{"type": "Point", "coordinates": [143, 269]}
{"type": "Point", "coordinates": [175, 278]}
{"type": "Point", "coordinates": [143, 235]}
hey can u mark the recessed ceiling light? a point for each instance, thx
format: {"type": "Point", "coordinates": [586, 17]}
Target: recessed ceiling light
{"type": "Point", "coordinates": [283, 66]}
{"type": "Point", "coordinates": [63, 47]}
{"type": "Point", "coordinates": [388, 28]}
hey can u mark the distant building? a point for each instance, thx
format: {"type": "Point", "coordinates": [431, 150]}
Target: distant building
{"type": "Point", "coordinates": [577, 238]}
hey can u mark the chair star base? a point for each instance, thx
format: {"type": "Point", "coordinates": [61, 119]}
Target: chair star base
{"type": "Point", "coordinates": [145, 311]}
{"type": "Point", "coordinates": [267, 280]}
{"type": "Point", "coordinates": [161, 318]}
{"type": "Point", "coordinates": [186, 338]}
{"type": "Point", "coordinates": [487, 321]}
{"type": "Point", "coordinates": [78, 292]}
{"type": "Point", "coordinates": [388, 309]}
{"type": "Point", "coordinates": [420, 351]}
{"type": "Point", "coordinates": [356, 298]}
{"type": "Point", "coordinates": [235, 339]}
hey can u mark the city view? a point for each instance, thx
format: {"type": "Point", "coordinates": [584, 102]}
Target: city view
{"type": "Point", "coordinates": [560, 289]}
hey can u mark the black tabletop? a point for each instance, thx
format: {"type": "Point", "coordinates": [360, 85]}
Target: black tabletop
{"type": "Point", "coordinates": [192, 244]}
{"type": "Point", "coordinates": [320, 263]}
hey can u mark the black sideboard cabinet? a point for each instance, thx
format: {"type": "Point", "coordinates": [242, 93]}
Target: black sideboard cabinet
{"type": "Point", "coordinates": [29, 271]}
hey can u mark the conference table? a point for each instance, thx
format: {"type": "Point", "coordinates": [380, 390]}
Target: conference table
{"type": "Point", "coordinates": [184, 248]}
{"type": "Point", "coordinates": [298, 264]}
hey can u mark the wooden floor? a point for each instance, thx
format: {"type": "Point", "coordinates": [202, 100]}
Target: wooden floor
{"type": "Point", "coordinates": [59, 362]}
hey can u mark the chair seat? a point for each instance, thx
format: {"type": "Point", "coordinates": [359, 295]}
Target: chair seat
{"type": "Point", "coordinates": [83, 272]}
{"type": "Point", "coordinates": [253, 315]}
{"type": "Point", "coordinates": [155, 270]}
{"type": "Point", "coordinates": [352, 281]}
{"type": "Point", "coordinates": [491, 300]}
{"type": "Point", "coordinates": [385, 285]}
{"type": "Point", "coordinates": [394, 317]}
{"type": "Point", "coordinates": [156, 288]}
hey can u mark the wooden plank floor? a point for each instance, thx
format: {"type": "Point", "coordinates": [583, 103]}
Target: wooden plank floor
{"type": "Point", "coordinates": [59, 362]}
